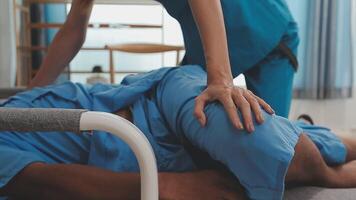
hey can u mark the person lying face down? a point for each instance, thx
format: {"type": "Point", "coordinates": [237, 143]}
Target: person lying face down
{"type": "Point", "coordinates": [160, 103]}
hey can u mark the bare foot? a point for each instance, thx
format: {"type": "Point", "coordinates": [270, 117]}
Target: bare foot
{"type": "Point", "coordinates": [207, 185]}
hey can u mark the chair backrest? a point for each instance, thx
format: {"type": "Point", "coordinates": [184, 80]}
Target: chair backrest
{"type": "Point", "coordinates": [140, 48]}
{"type": "Point", "coordinates": [144, 48]}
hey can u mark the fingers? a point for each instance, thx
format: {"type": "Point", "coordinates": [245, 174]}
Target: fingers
{"type": "Point", "coordinates": [255, 106]}
{"type": "Point", "coordinates": [233, 98]}
{"type": "Point", "coordinates": [200, 103]}
{"type": "Point", "coordinates": [264, 105]}
{"type": "Point", "coordinates": [245, 108]}
{"type": "Point", "coordinates": [231, 110]}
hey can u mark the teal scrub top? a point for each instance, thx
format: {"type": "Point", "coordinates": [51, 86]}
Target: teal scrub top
{"type": "Point", "coordinates": [254, 28]}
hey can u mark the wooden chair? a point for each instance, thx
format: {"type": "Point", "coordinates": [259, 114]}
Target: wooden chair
{"type": "Point", "coordinates": [140, 48]}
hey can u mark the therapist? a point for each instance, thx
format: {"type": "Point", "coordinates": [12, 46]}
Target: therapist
{"type": "Point", "coordinates": [226, 37]}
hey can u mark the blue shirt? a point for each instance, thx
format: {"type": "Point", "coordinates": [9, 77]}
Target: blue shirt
{"type": "Point", "coordinates": [254, 28]}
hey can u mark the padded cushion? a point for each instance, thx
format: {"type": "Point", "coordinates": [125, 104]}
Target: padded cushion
{"type": "Point", "coordinates": [316, 193]}
{"type": "Point", "coordinates": [40, 119]}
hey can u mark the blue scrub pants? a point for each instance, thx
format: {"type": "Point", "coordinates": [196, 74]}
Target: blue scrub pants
{"type": "Point", "coordinates": [259, 160]}
{"type": "Point", "coordinates": [272, 80]}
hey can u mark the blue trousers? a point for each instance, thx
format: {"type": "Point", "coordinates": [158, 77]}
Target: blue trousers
{"type": "Point", "coordinates": [272, 80]}
{"type": "Point", "coordinates": [259, 160]}
{"type": "Point", "coordinates": [164, 113]}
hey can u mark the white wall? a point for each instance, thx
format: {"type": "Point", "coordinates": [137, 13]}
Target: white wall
{"type": "Point", "coordinates": [7, 45]}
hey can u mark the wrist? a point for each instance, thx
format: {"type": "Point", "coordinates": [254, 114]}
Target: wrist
{"type": "Point", "coordinates": [219, 74]}
{"type": "Point", "coordinates": [220, 80]}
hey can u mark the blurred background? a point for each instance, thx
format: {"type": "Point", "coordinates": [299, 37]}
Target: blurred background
{"type": "Point", "coordinates": [324, 86]}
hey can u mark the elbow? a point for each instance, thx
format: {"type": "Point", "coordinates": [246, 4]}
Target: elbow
{"type": "Point", "coordinates": [74, 37]}
{"type": "Point", "coordinates": [86, 2]}
{"type": "Point", "coordinates": [84, 6]}
{"type": "Point", "coordinates": [77, 21]}
{"type": "Point", "coordinates": [76, 33]}
{"type": "Point", "coordinates": [79, 38]}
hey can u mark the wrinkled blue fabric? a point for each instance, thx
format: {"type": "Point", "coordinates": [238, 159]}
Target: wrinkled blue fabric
{"type": "Point", "coordinates": [162, 104]}
{"type": "Point", "coordinates": [329, 145]}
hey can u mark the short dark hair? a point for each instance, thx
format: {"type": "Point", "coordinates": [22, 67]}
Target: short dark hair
{"type": "Point", "coordinates": [97, 69]}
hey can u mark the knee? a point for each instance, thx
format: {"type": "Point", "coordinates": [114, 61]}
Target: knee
{"type": "Point", "coordinates": [307, 165]}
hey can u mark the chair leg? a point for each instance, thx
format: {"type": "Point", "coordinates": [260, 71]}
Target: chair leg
{"type": "Point", "coordinates": [112, 69]}
{"type": "Point", "coordinates": [139, 144]}
{"type": "Point", "coordinates": [178, 58]}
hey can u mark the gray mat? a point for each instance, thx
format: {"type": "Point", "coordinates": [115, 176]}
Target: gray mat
{"type": "Point", "coordinates": [316, 193]}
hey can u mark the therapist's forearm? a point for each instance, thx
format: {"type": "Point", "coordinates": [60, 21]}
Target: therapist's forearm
{"type": "Point", "coordinates": [66, 44]}
{"type": "Point", "coordinates": [208, 15]}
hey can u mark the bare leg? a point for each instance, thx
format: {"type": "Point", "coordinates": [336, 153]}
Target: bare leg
{"type": "Point", "coordinates": [42, 181]}
{"type": "Point", "coordinates": [309, 168]}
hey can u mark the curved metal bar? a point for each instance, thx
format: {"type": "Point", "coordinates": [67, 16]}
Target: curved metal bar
{"type": "Point", "coordinates": [40, 119]}
{"type": "Point", "coordinates": [135, 139]}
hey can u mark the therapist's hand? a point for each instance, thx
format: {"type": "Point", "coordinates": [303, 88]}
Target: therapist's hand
{"type": "Point", "coordinates": [210, 22]}
{"type": "Point", "coordinates": [233, 98]}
